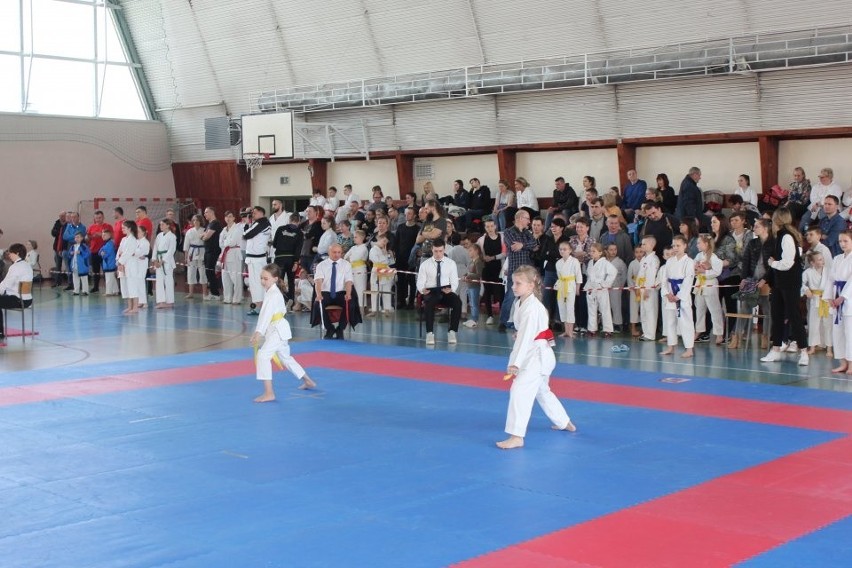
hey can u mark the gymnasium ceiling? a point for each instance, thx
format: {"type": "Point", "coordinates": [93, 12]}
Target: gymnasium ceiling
{"type": "Point", "coordinates": [202, 58]}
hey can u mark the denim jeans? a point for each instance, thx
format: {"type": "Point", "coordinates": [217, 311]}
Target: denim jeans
{"type": "Point", "coordinates": [473, 300]}
{"type": "Point", "coordinates": [508, 300]}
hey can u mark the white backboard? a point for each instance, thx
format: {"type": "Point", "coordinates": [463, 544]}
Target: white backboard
{"type": "Point", "coordinates": [270, 133]}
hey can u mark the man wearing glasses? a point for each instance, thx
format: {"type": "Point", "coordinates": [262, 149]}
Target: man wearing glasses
{"type": "Point", "coordinates": [819, 191]}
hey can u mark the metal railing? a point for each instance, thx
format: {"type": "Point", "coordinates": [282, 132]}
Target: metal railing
{"type": "Point", "coordinates": [748, 53]}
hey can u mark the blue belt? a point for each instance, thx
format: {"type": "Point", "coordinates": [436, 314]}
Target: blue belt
{"type": "Point", "coordinates": [675, 284]}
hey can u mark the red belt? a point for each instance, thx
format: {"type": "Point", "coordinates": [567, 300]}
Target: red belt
{"type": "Point", "coordinates": [546, 334]}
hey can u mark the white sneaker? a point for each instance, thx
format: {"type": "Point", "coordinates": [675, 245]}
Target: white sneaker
{"type": "Point", "coordinates": [451, 338]}
{"type": "Point", "coordinates": [804, 359]}
{"type": "Point", "coordinates": [784, 346]}
{"type": "Point", "coordinates": [430, 338]}
{"type": "Point", "coordinates": [489, 321]}
{"type": "Point", "coordinates": [793, 347]}
{"type": "Point", "coordinates": [470, 323]}
{"type": "Point", "coordinates": [772, 356]}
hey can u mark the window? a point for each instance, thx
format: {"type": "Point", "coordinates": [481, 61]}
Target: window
{"type": "Point", "coordinates": [67, 57]}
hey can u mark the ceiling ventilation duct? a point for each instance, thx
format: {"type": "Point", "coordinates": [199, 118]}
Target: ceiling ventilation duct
{"type": "Point", "coordinates": [760, 52]}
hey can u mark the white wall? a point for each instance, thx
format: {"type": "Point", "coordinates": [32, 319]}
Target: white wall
{"type": "Point", "coordinates": [363, 175]}
{"type": "Point", "coordinates": [813, 155]}
{"type": "Point", "coordinates": [721, 164]}
{"type": "Point", "coordinates": [51, 164]}
{"type": "Point", "coordinates": [267, 181]}
{"type": "Point", "coordinates": [541, 168]}
{"type": "Point", "coordinates": [448, 169]}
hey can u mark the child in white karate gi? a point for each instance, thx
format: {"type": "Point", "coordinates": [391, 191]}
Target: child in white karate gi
{"type": "Point", "coordinates": [164, 261]}
{"type": "Point", "coordinates": [357, 257]}
{"type": "Point", "coordinates": [599, 278]}
{"type": "Point", "coordinates": [815, 281]}
{"type": "Point", "coordinates": [646, 282]}
{"type": "Point", "coordinates": [381, 280]}
{"type": "Point", "coordinates": [677, 311]}
{"type": "Point", "coordinates": [569, 275]}
{"type": "Point", "coordinates": [193, 248]}
{"type": "Point", "coordinates": [839, 294]}
{"type": "Point", "coordinates": [272, 326]}
{"type": "Point", "coordinates": [708, 267]}
{"type": "Point", "coordinates": [531, 362]}
{"type": "Point", "coordinates": [635, 294]}
{"type": "Point", "coordinates": [617, 293]}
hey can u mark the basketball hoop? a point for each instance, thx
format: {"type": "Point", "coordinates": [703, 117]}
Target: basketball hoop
{"type": "Point", "coordinates": [254, 162]}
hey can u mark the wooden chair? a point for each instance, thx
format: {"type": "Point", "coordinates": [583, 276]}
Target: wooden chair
{"type": "Point", "coordinates": [24, 288]}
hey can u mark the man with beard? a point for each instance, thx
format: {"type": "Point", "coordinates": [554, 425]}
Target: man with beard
{"type": "Point", "coordinates": [256, 237]}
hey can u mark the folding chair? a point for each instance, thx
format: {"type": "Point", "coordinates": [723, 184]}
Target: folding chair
{"type": "Point", "coordinates": [23, 288]}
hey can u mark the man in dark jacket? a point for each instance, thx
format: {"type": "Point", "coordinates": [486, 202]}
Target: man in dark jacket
{"type": "Point", "coordinates": [287, 243]}
{"type": "Point", "coordinates": [565, 201]}
{"type": "Point", "coordinates": [690, 201]}
{"type": "Point", "coordinates": [406, 237]}
{"type": "Point", "coordinates": [480, 203]}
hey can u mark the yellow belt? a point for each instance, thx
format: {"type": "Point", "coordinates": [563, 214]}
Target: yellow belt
{"type": "Point", "coordinates": [702, 279]}
{"type": "Point", "coordinates": [564, 287]}
{"type": "Point", "coordinates": [276, 317]}
{"type": "Point", "coordinates": [382, 266]}
{"type": "Point", "coordinates": [822, 308]}
{"type": "Point", "coordinates": [640, 283]}
{"type": "Point", "coordinates": [358, 263]}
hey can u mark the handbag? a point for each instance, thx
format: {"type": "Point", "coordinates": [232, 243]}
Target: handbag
{"type": "Point", "coordinates": [775, 196]}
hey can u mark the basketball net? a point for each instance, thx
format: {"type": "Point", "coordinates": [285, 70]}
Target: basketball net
{"type": "Point", "coordinates": [254, 162]}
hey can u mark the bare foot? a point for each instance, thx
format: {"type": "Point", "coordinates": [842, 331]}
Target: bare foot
{"type": "Point", "coordinates": [307, 383]}
{"type": "Point", "coordinates": [566, 334]}
{"type": "Point", "coordinates": [265, 398]}
{"type": "Point", "coordinates": [126, 311]}
{"type": "Point", "coordinates": [829, 353]}
{"type": "Point", "coordinates": [840, 369]}
{"type": "Point", "coordinates": [668, 351]}
{"type": "Point", "coordinates": [811, 350]}
{"type": "Point", "coordinates": [161, 306]}
{"type": "Point", "coordinates": [687, 354]}
{"type": "Point", "coordinates": [568, 427]}
{"type": "Point", "coordinates": [511, 443]}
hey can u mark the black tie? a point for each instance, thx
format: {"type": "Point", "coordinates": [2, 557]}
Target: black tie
{"type": "Point", "coordinates": [438, 276]}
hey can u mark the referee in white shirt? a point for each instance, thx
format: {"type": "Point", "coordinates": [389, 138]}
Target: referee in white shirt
{"type": "Point", "coordinates": [437, 281]}
{"type": "Point", "coordinates": [333, 282]}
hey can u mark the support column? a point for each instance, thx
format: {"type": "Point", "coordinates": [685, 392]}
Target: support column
{"type": "Point", "coordinates": [768, 161]}
{"type": "Point", "coordinates": [319, 174]}
{"type": "Point", "coordinates": [404, 173]}
{"type": "Point", "coordinates": [626, 161]}
{"type": "Point", "coordinates": [507, 165]}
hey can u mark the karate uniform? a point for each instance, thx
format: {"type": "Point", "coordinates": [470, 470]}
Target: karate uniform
{"type": "Point", "coordinates": [615, 296]}
{"type": "Point", "coordinates": [143, 249]}
{"type": "Point", "coordinates": [600, 274]}
{"type": "Point", "coordinates": [819, 318]}
{"type": "Point", "coordinates": [256, 238]}
{"type": "Point", "coordinates": [231, 261]}
{"type": "Point", "coordinates": [381, 283]}
{"type": "Point", "coordinates": [632, 277]}
{"type": "Point", "coordinates": [707, 295]}
{"type": "Point", "coordinates": [841, 271]}
{"type": "Point", "coordinates": [276, 331]}
{"type": "Point", "coordinates": [535, 361]}
{"type": "Point", "coordinates": [129, 278]}
{"type": "Point", "coordinates": [646, 280]}
{"type": "Point", "coordinates": [193, 248]}
{"type": "Point", "coordinates": [569, 276]}
{"type": "Point", "coordinates": [164, 251]}
{"type": "Point", "coordinates": [678, 315]}
{"type": "Point", "coordinates": [357, 257]}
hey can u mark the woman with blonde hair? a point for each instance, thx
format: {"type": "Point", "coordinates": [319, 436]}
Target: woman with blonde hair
{"type": "Point", "coordinates": [786, 273]}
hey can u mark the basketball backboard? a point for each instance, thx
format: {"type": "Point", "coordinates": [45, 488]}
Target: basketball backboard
{"type": "Point", "coordinates": [270, 134]}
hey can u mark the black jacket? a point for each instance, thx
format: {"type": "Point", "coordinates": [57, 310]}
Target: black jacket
{"type": "Point", "coordinates": [481, 199]}
{"type": "Point", "coordinates": [287, 241]}
{"type": "Point", "coordinates": [751, 255]}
